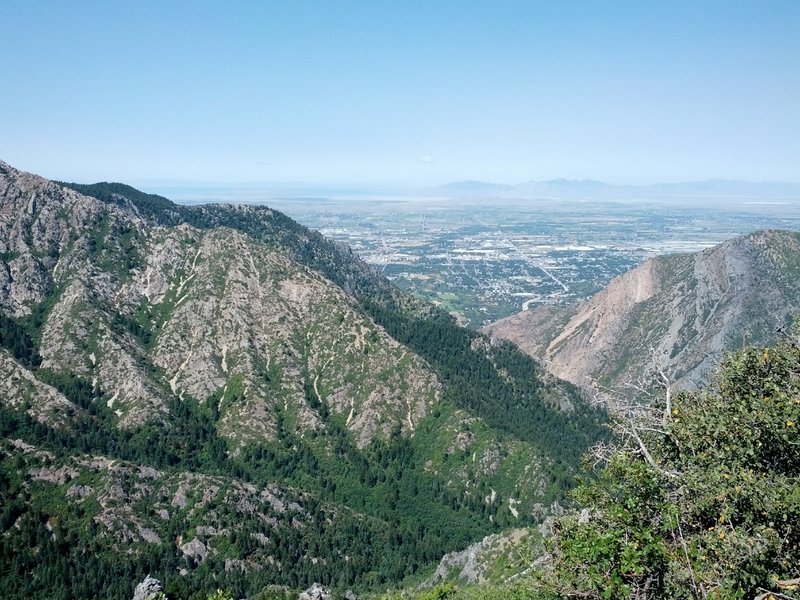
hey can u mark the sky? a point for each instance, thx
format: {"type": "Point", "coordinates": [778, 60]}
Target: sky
{"type": "Point", "coordinates": [401, 92]}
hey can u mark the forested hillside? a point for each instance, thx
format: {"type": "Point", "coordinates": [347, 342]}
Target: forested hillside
{"type": "Point", "coordinates": [474, 379]}
{"type": "Point", "coordinates": [696, 496]}
{"type": "Point", "coordinates": [221, 397]}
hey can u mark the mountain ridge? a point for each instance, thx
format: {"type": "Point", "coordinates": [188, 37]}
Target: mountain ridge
{"type": "Point", "coordinates": [677, 313]}
{"type": "Point", "coordinates": [592, 189]}
{"type": "Point", "coordinates": [230, 341]}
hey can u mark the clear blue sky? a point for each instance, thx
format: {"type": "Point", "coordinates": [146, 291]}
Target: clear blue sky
{"type": "Point", "coordinates": [401, 91]}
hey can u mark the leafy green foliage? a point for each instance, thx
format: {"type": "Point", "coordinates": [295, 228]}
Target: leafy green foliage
{"type": "Point", "coordinates": [440, 592]}
{"type": "Point", "coordinates": [714, 511]}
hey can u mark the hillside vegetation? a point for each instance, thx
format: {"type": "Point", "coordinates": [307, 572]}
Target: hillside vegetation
{"type": "Point", "coordinates": [223, 398]}
{"type": "Point", "coordinates": [697, 496]}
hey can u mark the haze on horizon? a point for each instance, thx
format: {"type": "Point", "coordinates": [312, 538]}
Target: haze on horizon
{"type": "Point", "coordinates": [413, 93]}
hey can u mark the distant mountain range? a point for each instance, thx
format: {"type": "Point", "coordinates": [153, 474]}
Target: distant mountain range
{"type": "Point", "coordinates": [678, 313]}
{"type": "Point", "coordinates": [587, 189]}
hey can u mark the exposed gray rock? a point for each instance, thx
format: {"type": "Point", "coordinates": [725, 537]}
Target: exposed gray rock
{"type": "Point", "coordinates": [19, 388]}
{"type": "Point", "coordinates": [471, 563]}
{"type": "Point", "coordinates": [78, 491]}
{"type": "Point", "coordinates": [195, 549]}
{"type": "Point", "coordinates": [225, 306]}
{"type": "Point", "coordinates": [316, 592]}
{"type": "Point", "coordinates": [234, 564]}
{"type": "Point", "coordinates": [546, 527]}
{"type": "Point", "coordinates": [260, 538]}
{"type": "Point", "coordinates": [490, 461]}
{"type": "Point", "coordinates": [149, 589]}
{"type": "Point", "coordinates": [676, 313]}
{"type": "Point", "coordinates": [53, 475]}
{"type": "Point", "coordinates": [149, 536]}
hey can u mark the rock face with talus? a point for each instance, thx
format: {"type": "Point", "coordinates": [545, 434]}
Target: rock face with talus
{"type": "Point", "coordinates": [677, 313]}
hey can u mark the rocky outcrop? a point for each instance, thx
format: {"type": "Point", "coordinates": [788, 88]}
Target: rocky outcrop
{"type": "Point", "coordinates": [476, 563]}
{"type": "Point", "coordinates": [316, 592]}
{"type": "Point", "coordinates": [675, 313]}
{"type": "Point", "coordinates": [20, 389]}
{"type": "Point", "coordinates": [195, 549]}
{"type": "Point", "coordinates": [149, 589]}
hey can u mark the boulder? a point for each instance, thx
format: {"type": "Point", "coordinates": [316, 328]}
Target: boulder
{"type": "Point", "coordinates": [316, 592]}
{"type": "Point", "coordinates": [149, 589]}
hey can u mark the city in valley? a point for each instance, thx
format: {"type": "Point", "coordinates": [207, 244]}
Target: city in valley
{"type": "Point", "coordinates": [484, 258]}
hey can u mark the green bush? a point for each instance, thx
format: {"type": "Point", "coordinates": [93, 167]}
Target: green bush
{"type": "Point", "coordinates": [703, 501]}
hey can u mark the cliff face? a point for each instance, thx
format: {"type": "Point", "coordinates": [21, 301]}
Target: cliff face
{"type": "Point", "coordinates": [678, 313]}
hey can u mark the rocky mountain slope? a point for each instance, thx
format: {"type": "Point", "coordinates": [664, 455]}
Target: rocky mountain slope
{"type": "Point", "coordinates": [228, 356]}
{"type": "Point", "coordinates": [678, 313]}
{"type": "Point", "coordinates": [150, 313]}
